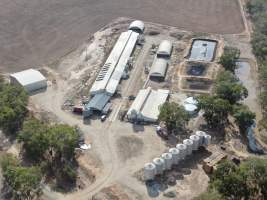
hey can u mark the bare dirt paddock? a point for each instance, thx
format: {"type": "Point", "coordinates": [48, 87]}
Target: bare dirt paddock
{"type": "Point", "coordinates": [37, 32]}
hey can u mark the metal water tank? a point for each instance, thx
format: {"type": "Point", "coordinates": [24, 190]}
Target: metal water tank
{"type": "Point", "coordinates": [149, 171]}
{"type": "Point", "coordinates": [159, 163]}
{"type": "Point", "coordinates": [167, 157]}
{"type": "Point", "coordinates": [189, 145]}
{"type": "Point", "coordinates": [207, 140]}
{"type": "Point", "coordinates": [182, 150]}
{"type": "Point", "coordinates": [201, 135]}
{"type": "Point", "coordinates": [175, 155]}
{"type": "Point", "coordinates": [195, 140]}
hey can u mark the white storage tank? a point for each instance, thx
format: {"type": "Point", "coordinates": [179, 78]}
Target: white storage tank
{"type": "Point", "coordinates": [182, 150]}
{"type": "Point", "coordinates": [189, 146]}
{"type": "Point", "coordinates": [159, 163]}
{"type": "Point", "coordinates": [201, 135]}
{"type": "Point", "coordinates": [207, 140]}
{"type": "Point", "coordinates": [167, 157]}
{"type": "Point", "coordinates": [149, 171]}
{"type": "Point", "coordinates": [175, 155]}
{"type": "Point", "coordinates": [195, 140]}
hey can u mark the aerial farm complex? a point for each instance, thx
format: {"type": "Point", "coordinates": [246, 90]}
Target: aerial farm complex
{"type": "Point", "coordinates": [140, 95]}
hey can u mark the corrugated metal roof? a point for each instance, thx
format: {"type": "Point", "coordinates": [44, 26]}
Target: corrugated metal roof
{"type": "Point", "coordinates": [165, 48]}
{"type": "Point", "coordinates": [110, 64]}
{"type": "Point", "coordinates": [146, 104]}
{"type": "Point", "coordinates": [28, 76]}
{"type": "Point", "coordinates": [120, 67]}
{"type": "Point", "coordinates": [98, 102]}
{"type": "Point", "coordinates": [159, 67]}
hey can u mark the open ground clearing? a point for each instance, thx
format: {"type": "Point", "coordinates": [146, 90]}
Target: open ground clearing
{"type": "Point", "coordinates": [34, 32]}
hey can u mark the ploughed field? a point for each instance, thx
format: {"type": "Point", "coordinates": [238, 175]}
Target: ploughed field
{"type": "Point", "coordinates": [36, 32]}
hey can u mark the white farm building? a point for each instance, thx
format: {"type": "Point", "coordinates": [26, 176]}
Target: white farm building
{"type": "Point", "coordinates": [165, 49]}
{"type": "Point", "coordinates": [137, 26]}
{"type": "Point", "coordinates": [111, 72]}
{"type": "Point", "coordinates": [158, 68]}
{"type": "Point", "coordinates": [146, 105]}
{"type": "Point", "coordinates": [30, 79]}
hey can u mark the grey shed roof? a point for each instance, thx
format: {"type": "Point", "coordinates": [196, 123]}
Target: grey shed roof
{"type": "Point", "coordinates": [137, 25]}
{"type": "Point", "coordinates": [158, 68]}
{"type": "Point", "coordinates": [165, 48]}
{"type": "Point", "coordinates": [28, 76]}
{"type": "Point", "coordinates": [98, 102]}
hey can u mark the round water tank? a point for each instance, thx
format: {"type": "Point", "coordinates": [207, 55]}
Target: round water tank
{"type": "Point", "coordinates": [182, 149]}
{"type": "Point", "coordinates": [189, 145]}
{"type": "Point", "coordinates": [159, 163]}
{"type": "Point", "coordinates": [167, 157]}
{"type": "Point", "coordinates": [195, 140]}
{"type": "Point", "coordinates": [175, 155]}
{"type": "Point", "coordinates": [149, 171]}
{"type": "Point", "coordinates": [201, 135]}
{"type": "Point", "coordinates": [207, 140]}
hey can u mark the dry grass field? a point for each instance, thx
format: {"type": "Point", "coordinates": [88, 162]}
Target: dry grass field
{"type": "Point", "coordinates": [36, 32]}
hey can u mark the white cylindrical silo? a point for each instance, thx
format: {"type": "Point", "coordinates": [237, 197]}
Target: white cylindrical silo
{"type": "Point", "coordinates": [175, 155]}
{"type": "Point", "coordinates": [201, 135]}
{"type": "Point", "coordinates": [167, 157]}
{"type": "Point", "coordinates": [182, 150]}
{"type": "Point", "coordinates": [189, 145]}
{"type": "Point", "coordinates": [207, 140]}
{"type": "Point", "coordinates": [149, 171]}
{"type": "Point", "coordinates": [159, 163]}
{"type": "Point", "coordinates": [195, 140]}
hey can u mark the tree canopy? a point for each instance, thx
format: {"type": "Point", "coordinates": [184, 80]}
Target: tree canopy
{"type": "Point", "coordinates": [243, 117]}
{"type": "Point", "coordinates": [174, 116]}
{"type": "Point", "coordinates": [24, 182]}
{"type": "Point", "coordinates": [13, 102]}
{"type": "Point", "coordinates": [229, 88]}
{"type": "Point", "coordinates": [247, 181]}
{"type": "Point", "coordinates": [215, 109]}
{"type": "Point", "coordinates": [229, 58]}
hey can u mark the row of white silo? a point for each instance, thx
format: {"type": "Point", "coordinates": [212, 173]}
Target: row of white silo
{"type": "Point", "coordinates": [174, 155]}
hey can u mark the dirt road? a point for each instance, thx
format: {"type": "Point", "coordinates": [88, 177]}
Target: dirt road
{"type": "Point", "coordinates": [37, 32]}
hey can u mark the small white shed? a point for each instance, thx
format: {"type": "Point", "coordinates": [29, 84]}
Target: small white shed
{"type": "Point", "coordinates": [30, 79]}
{"type": "Point", "coordinates": [158, 69]}
{"type": "Point", "coordinates": [165, 49]}
{"type": "Point", "coordinates": [137, 26]}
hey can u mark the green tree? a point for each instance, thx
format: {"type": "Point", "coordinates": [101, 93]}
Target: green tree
{"type": "Point", "coordinates": [233, 92]}
{"type": "Point", "coordinates": [243, 117]}
{"type": "Point", "coordinates": [24, 182]}
{"type": "Point", "coordinates": [174, 116]}
{"type": "Point", "coordinates": [229, 58]}
{"type": "Point", "coordinates": [247, 181]}
{"type": "Point", "coordinates": [226, 76]}
{"type": "Point", "coordinates": [13, 102]}
{"type": "Point", "coordinates": [215, 109]}
{"type": "Point", "coordinates": [35, 139]}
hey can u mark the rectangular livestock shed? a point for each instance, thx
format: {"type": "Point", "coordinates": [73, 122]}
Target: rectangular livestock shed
{"type": "Point", "coordinates": [31, 80]}
{"type": "Point", "coordinates": [145, 107]}
{"type": "Point", "coordinates": [114, 67]}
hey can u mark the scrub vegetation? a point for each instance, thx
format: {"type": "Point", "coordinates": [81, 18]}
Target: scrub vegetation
{"type": "Point", "coordinates": [258, 13]}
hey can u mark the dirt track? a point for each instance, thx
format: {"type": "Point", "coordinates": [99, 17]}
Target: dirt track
{"type": "Point", "coordinates": [36, 32]}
